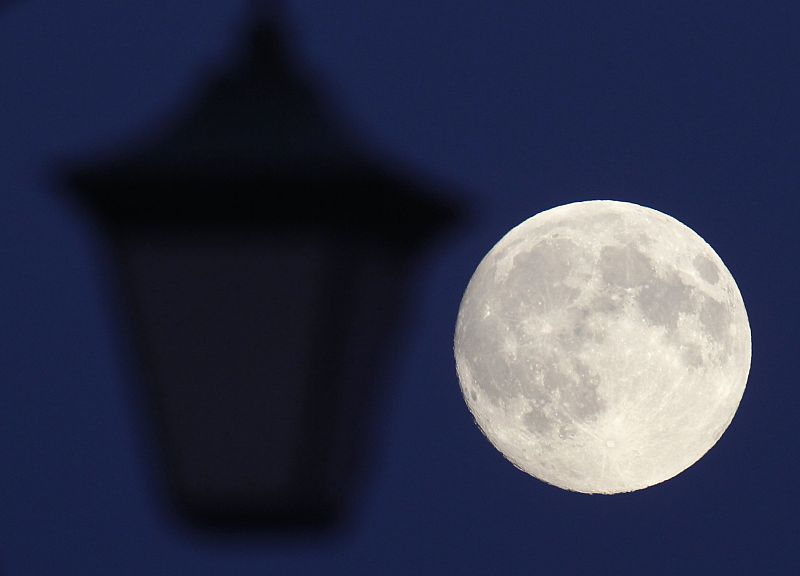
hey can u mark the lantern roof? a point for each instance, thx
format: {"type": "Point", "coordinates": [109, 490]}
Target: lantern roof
{"type": "Point", "coordinates": [260, 147]}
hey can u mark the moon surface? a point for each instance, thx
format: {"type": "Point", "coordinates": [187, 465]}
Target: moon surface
{"type": "Point", "coordinates": [602, 346]}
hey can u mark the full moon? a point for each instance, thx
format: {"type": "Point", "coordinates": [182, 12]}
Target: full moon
{"type": "Point", "coordinates": [602, 346]}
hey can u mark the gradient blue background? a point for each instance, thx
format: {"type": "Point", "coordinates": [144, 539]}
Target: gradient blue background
{"type": "Point", "coordinates": [684, 106]}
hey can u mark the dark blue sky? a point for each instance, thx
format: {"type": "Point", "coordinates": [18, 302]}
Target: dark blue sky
{"type": "Point", "coordinates": [687, 107]}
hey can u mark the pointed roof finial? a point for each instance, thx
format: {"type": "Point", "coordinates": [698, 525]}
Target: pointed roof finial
{"type": "Point", "coordinates": [266, 11]}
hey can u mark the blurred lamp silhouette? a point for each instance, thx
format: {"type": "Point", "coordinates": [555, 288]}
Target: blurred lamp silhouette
{"type": "Point", "coordinates": [264, 258]}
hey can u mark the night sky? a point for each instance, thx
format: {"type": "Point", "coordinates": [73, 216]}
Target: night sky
{"type": "Point", "coordinates": [690, 108]}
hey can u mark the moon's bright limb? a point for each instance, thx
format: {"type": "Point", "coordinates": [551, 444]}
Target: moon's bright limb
{"type": "Point", "coordinates": [602, 346]}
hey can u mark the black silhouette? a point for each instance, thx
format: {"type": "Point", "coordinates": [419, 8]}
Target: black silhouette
{"type": "Point", "coordinates": [264, 257]}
